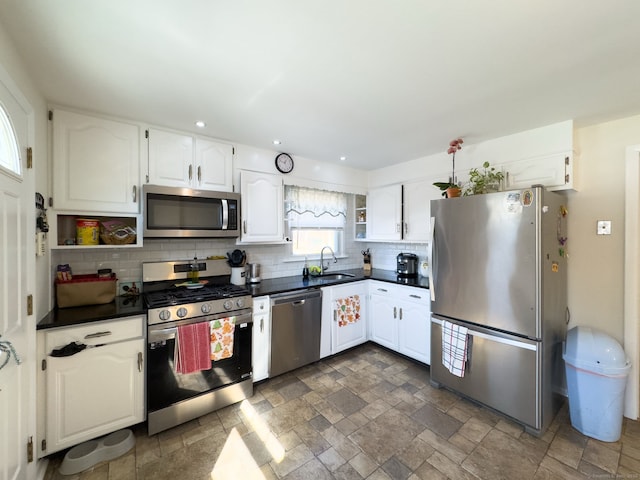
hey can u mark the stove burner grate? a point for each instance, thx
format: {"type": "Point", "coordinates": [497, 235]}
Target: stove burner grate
{"type": "Point", "coordinates": [181, 295]}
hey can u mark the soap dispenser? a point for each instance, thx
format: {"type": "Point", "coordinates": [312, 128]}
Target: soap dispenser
{"type": "Point", "coordinates": [305, 269]}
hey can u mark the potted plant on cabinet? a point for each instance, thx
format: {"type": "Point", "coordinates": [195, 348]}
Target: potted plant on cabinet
{"type": "Point", "coordinates": [486, 180]}
{"type": "Point", "coordinates": [451, 188]}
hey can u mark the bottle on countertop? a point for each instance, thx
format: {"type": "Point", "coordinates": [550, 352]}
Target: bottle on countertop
{"type": "Point", "coordinates": [194, 273]}
{"type": "Point", "coordinates": [305, 269]}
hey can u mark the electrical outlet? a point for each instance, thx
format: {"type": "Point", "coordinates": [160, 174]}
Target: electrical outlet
{"type": "Point", "coordinates": [604, 227]}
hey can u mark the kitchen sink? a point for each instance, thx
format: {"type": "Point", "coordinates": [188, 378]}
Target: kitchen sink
{"type": "Point", "coordinates": [336, 276]}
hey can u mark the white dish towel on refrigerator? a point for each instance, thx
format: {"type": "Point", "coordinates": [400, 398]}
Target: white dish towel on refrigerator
{"type": "Point", "coordinates": [454, 347]}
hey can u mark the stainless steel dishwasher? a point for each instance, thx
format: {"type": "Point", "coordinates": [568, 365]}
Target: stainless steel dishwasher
{"type": "Point", "coordinates": [295, 330]}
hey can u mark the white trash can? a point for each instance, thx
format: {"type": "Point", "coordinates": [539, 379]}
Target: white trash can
{"type": "Point", "coordinates": [597, 370]}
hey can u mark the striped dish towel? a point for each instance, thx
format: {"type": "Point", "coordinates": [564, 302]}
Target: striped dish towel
{"type": "Point", "coordinates": [191, 352]}
{"type": "Point", "coordinates": [454, 348]}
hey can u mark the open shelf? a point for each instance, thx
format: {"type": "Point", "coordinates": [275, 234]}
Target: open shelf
{"type": "Point", "coordinates": [63, 232]}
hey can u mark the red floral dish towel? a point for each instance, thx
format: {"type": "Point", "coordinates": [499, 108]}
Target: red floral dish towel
{"type": "Point", "coordinates": [348, 310]}
{"type": "Point", "coordinates": [222, 332]}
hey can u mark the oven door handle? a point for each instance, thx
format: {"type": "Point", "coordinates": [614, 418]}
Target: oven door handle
{"type": "Point", "coordinates": [162, 334]}
{"type": "Point", "coordinates": [156, 334]}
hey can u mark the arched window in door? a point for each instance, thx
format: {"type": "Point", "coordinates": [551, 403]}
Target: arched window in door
{"type": "Point", "coordinates": [9, 152]}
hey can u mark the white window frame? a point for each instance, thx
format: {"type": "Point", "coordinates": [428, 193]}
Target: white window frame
{"type": "Point", "coordinates": [9, 149]}
{"type": "Point", "coordinates": [316, 219]}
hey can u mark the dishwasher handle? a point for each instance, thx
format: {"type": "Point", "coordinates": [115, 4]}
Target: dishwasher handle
{"type": "Point", "coordinates": [298, 297]}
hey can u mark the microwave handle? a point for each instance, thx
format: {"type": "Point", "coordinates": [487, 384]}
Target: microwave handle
{"type": "Point", "coordinates": [225, 214]}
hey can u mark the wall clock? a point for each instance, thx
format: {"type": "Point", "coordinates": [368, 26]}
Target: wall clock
{"type": "Point", "coordinates": [284, 162]}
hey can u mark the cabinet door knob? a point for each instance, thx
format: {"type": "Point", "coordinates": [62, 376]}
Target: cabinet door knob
{"type": "Point", "coordinates": [190, 172]}
{"type": "Point", "coordinates": [135, 193]}
{"type": "Point", "coordinates": [400, 313]}
{"type": "Point", "coordinates": [415, 296]}
{"type": "Point", "coordinates": [139, 361]}
{"type": "Point", "coordinates": [199, 174]}
{"type": "Point", "coordinates": [261, 325]}
{"type": "Point", "coordinates": [395, 312]}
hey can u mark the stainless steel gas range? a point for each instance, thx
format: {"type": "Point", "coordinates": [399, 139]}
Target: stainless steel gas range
{"type": "Point", "coordinates": [181, 311]}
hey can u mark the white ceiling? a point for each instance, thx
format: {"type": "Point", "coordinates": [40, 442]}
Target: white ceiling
{"type": "Point", "coordinates": [379, 81]}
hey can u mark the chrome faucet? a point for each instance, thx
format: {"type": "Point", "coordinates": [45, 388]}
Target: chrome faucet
{"type": "Point", "coordinates": [322, 266]}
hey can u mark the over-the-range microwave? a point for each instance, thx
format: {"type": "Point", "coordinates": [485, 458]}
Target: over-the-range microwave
{"type": "Point", "coordinates": [173, 212]}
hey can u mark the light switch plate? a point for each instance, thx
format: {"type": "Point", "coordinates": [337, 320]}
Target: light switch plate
{"type": "Point", "coordinates": [604, 227]}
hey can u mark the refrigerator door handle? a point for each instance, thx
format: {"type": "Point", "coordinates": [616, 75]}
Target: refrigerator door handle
{"type": "Point", "coordinates": [468, 362]}
{"type": "Point", "coordinates": [432, 281]}
{"type": "Point", "coordinates": [492, 338]}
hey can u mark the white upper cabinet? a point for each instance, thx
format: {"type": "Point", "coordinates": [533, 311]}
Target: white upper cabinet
{"type": "Point", "coordinates": [417, 198]}
{"type": "Point", "coordinates": [96, 164]}
{"type": "Point", "coordinates": [262, 207]}
{"type": "Point", "coordinates": [170, 158]}
{"type": "Point", "coordinates": [213, 165]}
{"type": "Point", "coordinates": [183, 160]}
{"type": "Point", "coordinates": [401, 212]}
{"type": "Point", "coordinates": [384, 210]}
{"type": "Point", "coordinates": [553, 171]}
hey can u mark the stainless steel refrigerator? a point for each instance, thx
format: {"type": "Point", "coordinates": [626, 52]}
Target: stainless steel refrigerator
{"type": "Point", "coordinates": [498, 270]}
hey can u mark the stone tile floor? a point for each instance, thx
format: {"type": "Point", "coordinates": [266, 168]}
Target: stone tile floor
{"type": "Point", "coordinates": [367, 413]}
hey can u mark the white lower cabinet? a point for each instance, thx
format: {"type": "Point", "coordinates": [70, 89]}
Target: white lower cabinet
{"type": "Point", "coordinates": [261, 338]}
{"type": "Point", "coordinates": [399, 319]}
{"type": "Point", "coordinates": [344, 317]}
{"type": "Point", "coordinates": [98, 390]}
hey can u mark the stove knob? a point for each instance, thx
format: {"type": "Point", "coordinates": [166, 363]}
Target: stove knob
{"type": "Point", "coordinates": [240, 303]}
{"type": "Point", "coordinates": [206, 308]}
{"type": "Point", "coordinates": [182, 312]}
{"type": "Point", "coordinates": [228, 304]}
{"type": "Point", "coordinates": [164, 315]}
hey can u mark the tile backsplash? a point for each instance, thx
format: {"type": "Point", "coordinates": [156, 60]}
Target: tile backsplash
{"type": "Point", "coordinates": [275, 260]}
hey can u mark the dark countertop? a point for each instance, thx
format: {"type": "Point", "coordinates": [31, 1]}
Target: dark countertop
{"type": "Point", "coordinates": [274, 286]}
{"type": "Point", "coordinates": [130, 306]}
{"type": "Point", "coordinates": [66, 317]}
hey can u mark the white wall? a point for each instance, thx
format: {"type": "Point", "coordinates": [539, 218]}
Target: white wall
{"type": "Point", "coordinates": [596, 262]}
{"type": "Point", "coordinates": [306, 172]}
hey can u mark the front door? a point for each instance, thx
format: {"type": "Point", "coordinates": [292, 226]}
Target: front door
{"type": "Point", "coordinates": [17, 264]}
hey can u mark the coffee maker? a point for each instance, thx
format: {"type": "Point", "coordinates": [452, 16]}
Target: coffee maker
{"type": "Point", "coordinates": [407, 265]}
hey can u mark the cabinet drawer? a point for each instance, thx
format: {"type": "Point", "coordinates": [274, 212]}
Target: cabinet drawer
{"type": "Point", "coordinates": [96, 333]}
{"type": "Point", "coordinates": [261, 305]}
{"type": "Point", "coordinates": [411, 294]}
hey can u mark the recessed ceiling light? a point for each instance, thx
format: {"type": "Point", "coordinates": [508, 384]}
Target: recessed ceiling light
{"type": "Point", "coordinates": [343, 158]}
{"type": "Point", "coordinates": [200, 124]}
{"type": "Point", "coordinates": [277, 142]}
